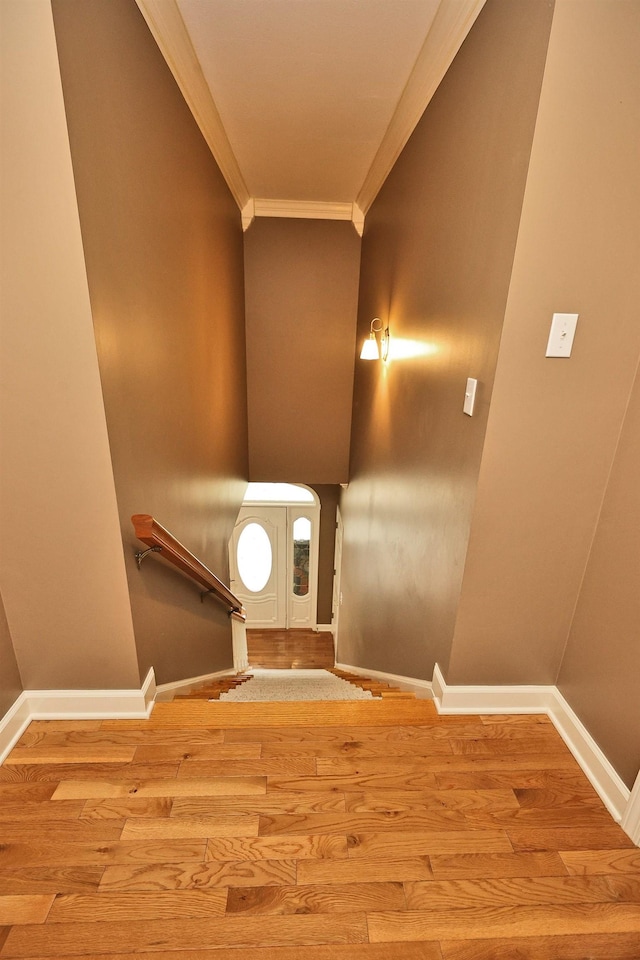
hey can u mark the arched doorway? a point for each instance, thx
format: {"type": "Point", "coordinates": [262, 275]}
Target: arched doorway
{"type": "Point", "coordinates": [273, 556]}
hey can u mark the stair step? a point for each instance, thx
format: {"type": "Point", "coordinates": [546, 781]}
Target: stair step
{"type": "Point", "coordinates": [377, 687]}
{"type": "Point", "coordinates": [212, 690]}
{"type": "Point", "coordinates": [193, 713]}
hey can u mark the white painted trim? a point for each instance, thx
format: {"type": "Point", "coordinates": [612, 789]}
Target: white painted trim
{"type": "Point", "coordinates": [630, 822]}
{"type": "Point", "coordinates": [303, 209]}
{"type": "Point", "coordinates": [248, 214]}
{"type": "Point", "coordinates": [422, 688]}
{"type": "Point", "coordinates": [487, 699]}
{"type": "Point", "coordinates": [358, 221]}
{"type": "Point", "coordinates": [547, 699]}
{"type": "Point", "coordinates": [613, 792]}
{"type": "Point", "coordinates": [13, 724]}
{"type": "Point", "coordinates": [167, 26]}
{"type": "Point", "coordinates": [451, 25]}
{"type": "Point", "coordinates": [93, 704]}
{"type": "Point", "coordinates": [336, 586]}
{"type": "Point", "coordinates": [74, 705]}
{"type": "Point", "coordinates": [239, 645]}
{"type": "Point", "coordinates": [324, 628]}
{"type": "Point", "coordinates": [194, 681]}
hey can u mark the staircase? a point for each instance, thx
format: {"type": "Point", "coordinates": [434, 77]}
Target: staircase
{"type": "Point", "coordinates": [213, 690]}
{"type": "Point", "coordinates": [292, 650]}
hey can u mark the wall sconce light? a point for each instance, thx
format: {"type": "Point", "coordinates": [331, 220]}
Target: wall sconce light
{"type": "Point", "coordinates": [371, 348]}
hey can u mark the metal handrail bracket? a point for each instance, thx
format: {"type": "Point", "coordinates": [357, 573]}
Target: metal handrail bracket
{"type": "Point", "coordinates": [159, 540]}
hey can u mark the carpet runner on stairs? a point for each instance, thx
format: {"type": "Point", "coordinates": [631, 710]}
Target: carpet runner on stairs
{"type": "Point", "coordinates": [373, 688]}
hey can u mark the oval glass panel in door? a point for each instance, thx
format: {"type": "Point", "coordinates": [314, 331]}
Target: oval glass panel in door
{"type": "Point", "coordinates": [301, 545]}
{"type": "Point", "coordinates": [255, 557]}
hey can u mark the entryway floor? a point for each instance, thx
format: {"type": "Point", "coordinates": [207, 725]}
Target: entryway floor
{"type": "Point", "coordinates": [295, 649]}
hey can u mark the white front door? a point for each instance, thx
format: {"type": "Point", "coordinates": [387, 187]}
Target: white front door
{"type": "Point", "coordinates": [273, 557]}
{"type": "Point", "coordinates": [258, 564]}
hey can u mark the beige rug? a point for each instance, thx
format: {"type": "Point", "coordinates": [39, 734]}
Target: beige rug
{"type": "Point", "coordinates": [281, 685]}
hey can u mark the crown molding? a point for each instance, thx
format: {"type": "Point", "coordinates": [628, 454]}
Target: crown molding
{"type": "Point", "coordinates": [248, 214]}
{"type": "Point", "coordinates": [303, 210]}
{"type": "Point", "coordinates": [167, 27]}
{"type": "Point", "coordinates": [357, 218]}
{"type": "Point", "coordinates": [451, 25]}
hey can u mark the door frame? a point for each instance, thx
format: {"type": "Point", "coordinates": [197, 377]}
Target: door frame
{"type": "Point", "coordinates": [337, 577]}
{"type": "Point", "coordinates": [294, 509]}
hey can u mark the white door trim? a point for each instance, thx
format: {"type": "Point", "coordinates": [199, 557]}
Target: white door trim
{"type": "Point", "coordinates": [292, 510]}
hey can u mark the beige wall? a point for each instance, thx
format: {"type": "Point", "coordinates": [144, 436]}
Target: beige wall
{"type": "Point", "coordinates": [163, 246]}
{"type": "Point", "coordinates": [61, 567]}
{"type": "Point", "coordinates": [554, 424]}
{"type": "Point", "coordinates": [10, 682]}
{"type": "Point", "coordinates": [301, 297]}
{"type": "Point", "coordinates": [600, 672]}
{"type": "Point", "coordinates": [436, 262]}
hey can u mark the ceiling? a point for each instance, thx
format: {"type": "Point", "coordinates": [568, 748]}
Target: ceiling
{"type": "Point", "coordinates": [306, 104]}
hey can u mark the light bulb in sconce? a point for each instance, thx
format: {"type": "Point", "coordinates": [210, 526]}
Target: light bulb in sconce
{"type": "Point", "coordinates": [376, 346]}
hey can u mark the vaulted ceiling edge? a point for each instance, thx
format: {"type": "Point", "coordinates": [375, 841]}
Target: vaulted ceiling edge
{"type": "Point", "coordinates": [167, 27]}
{"type": "Point", "coordinates": [451, 25]}
{"type": "Point", "coordinates": [452, 22]}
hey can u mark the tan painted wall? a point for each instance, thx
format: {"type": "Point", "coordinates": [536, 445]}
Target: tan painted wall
{"type": "Point", "coordinates": [600, 673]}
{"type": "Point", "coordinates": [555, 423]}
{"type": "Point", "coordinates": [10, 682]}
{"type": "Point", "coordinates": [301, 297]}
{"type": "Point", "coordinates": [163, 246]}
{"type": "Point", "coordinates": [61, 567]}
{"type": "Point", "coordinates": [436, 262]}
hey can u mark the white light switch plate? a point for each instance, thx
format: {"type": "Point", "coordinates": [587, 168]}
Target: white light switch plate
{"type": "Point", "coordinates": [470, 396]}
{"type": "Point", "coordinates": [563, 328]}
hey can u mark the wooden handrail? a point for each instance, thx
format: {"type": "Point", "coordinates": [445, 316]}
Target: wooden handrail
{"type": "Point", "coordinates": [159, 540]}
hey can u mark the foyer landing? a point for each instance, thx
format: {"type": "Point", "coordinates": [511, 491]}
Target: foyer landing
{"type": "Point", "coordinates": [372, 830]}
{"type": "Point", "coordinates": [290, 649]}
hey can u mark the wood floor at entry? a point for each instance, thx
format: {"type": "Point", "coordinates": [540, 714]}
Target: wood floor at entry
{"type": "Point", "coordinates": [296, 649]}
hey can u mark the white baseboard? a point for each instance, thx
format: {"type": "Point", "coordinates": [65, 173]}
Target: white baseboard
{"type": "Point", "coordinates": [324, 628]}
{"type": "Point", "coordinates": [623, 804]}
{"type": "Point", "coordinates": [421, 688]}
{"type": "Point", "coordinates": [630, 822]}
{"type": "Point", "coordinates": [612, 790]}
{"type": "Point", "coordinates": [547, 699]}
{"type": "Point", "coordinates": [193, 681]}
{"type": "Point", "coordinates": [481, 699]}
{"type": "Point", "coordinates": [13, 724]}
{"type": "Point", "coordinates": [74, 705]}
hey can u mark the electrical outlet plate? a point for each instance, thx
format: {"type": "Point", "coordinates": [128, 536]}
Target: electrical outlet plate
{"type": "Point", "coordinates": [563, 329]}
{"type": "Point", "coordinates": [470, 396]}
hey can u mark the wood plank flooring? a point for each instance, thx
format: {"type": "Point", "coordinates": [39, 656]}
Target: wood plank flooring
{"type": "Point", "coordinates": [367, 830]}
{"type": "Point", "coordinates": [296, 649]}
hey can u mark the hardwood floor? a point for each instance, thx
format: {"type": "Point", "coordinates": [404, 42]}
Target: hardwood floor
{"type": "Point", "coordinates": [290, 649]}
{"type": "Point", "coordinates": [367, 830]}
